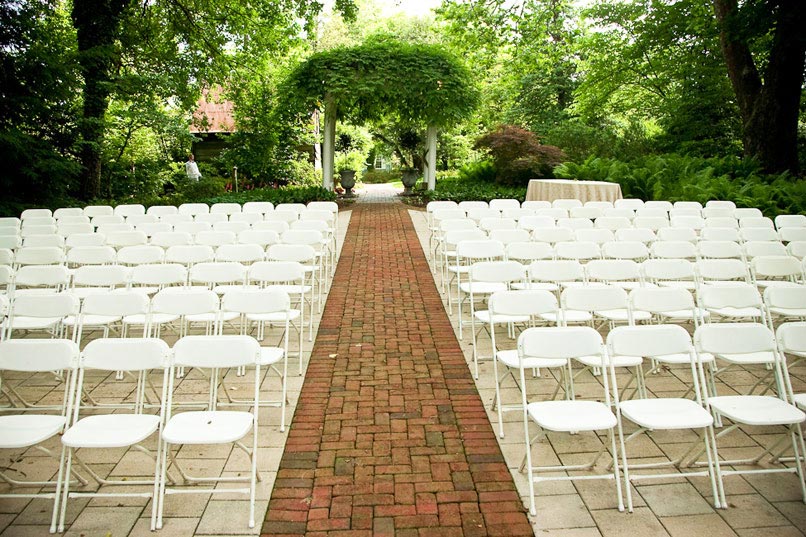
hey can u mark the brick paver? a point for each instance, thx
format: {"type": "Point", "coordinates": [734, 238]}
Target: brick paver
{"type": "Point", "coordinates": [390, 436]}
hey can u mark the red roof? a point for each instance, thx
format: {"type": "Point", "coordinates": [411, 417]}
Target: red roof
{"type": "Point", "coordinates": [213, 113]}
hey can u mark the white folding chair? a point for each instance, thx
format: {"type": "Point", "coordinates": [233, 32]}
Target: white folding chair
{"type": "Point", "coordinates": [33, 429]}
{"type": "Point", "coordinates": [39, 255]}
{"type": "Point", "coordinates": [119, 239]}
{"type": "Point", "coordinates": [211, 426]}
{"type": "Point", "coordinates": [218, 276]}
{"type": "Point", "coordinates": [763, 248]}
{"type": "Point", "coordinates": [785, 304]}
{"type": "Point", "coordinates": [754, 410]}
{"type": "Point", "coordinates": [581, 251]}
{"type": "Point", "coordinates": [630, 250]}
{"type": "Point", "coordinates": [91, 255]}
{"type": "Point", "coordinates": [468, 253]}
{"type": "Point", "coordinates": [194, 209]}
{"type": "Point", "coordinates": [225, 208]}
{"type": "Point", "coordinates": [306, 255]}
{"type": "Point", "coordinates": [245, 254]}
{"type": "Point", "coordinates": [116, 430]}
{"type": "Point", "coordinates": [775, 270]}
{"type": "Point", "coordinates": [166, 239]}
{"type": "Point", "coordinates": [162, 210]}
{"type": "Point", "coordinates": [719, 250]}
{"type": "Point", "coordinates": [720, 234]}
{"type": "Point", "coordinates": [40, 313]}
{"type": "Point", "coordinates": [792, 234]}
{"type": "Point", "coordinates": [628, 203]}
{"type": "Point", "coordinates": [643, 235]}
{"type": "Point", "coordinates": [553, 275]}
{"type": "Point", "coordinates": [188, 255]}
{"type": "Point", "coordinates": [215, 238]}
{"type": "Point", "coordinates": [140, 255]}
{"type": "Point", "coordinates": [758, 234]}
{"type": "Point", "coordinates": [504, 203]}
{"type": "Point", "coordinates": [133, 209]}
{"type": "Point", "coordinates": [623, 273]}
{"type": "Point", "coordinates": [666, 413]}
{"type": "Point", "coordinates": [571, 416]}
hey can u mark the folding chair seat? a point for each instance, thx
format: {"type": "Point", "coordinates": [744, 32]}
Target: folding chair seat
{"type": "Point", "coordinates": [259, 207]}
{"type": "Point", "coordinates": [119, 429]}
{"type": "Point", "coordinates": [128, 210]}
{"type": "Point", "coordinates": [720, 234]}
{"type": "Point", "coordinates": [613, 223]}
{"type": "Point", "coordinates": [577, 250]}
{"type": "Point", "coordinates": [484, 279]}
{"type": "Point", "coordinates": [575, 224]}
{"type": "Point", "coordinates": [211, 426]}
{"type": "Point", "coordinates": [189, 255]}
{"type": "Point", "coordinates": [210, 218]}
{"type": "Point", "coordinates": [570, 416]}
{"type": "Point", "coordinates": [43, 240]}
{"type": "Point", "coordinates": [26, 430]}
{"type": "Point", "coordinates": [598, 236]}
{"type": "Point", "coordinates": [91, 255]}
{"type": "Point", "coordinates": [194, 209]}
{"type": "Point", "coordinates": [162, 210]}
{"type": "Point", "coordinates": [763, 248]}
{"type": "Point", "coordinates": [502, 203]}
{"type": "Point", "coordinates": [261, 307]}
{"type": "Point", "coordinates": [644, 235]}
{"type": "Point", "coordinates": [225, 208]}
{"type": "Point", "coordinates": [166, 239]}
{"type": "Point", "coordinates": [666, 413]}
{"type": "Point", "coordinates": [290, 278]}
{"type": "Point", "coordinates": [774, 270]}
{"type": "Point", "coordinates": [746, 411]}
{"type": "Point", "coordinates": [140, 255]}
{"type": "Point", "coordinates": [533, 205]}
{"type": "Point", "coordinates": [631, 250]}
{"type": "Point", "coordinates": [40, 313]}
{"type": "Point", "coordinates": [524, 308]}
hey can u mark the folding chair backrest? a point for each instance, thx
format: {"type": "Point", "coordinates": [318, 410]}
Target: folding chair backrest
{"type": "Point", "coordinates": [194, 209]}
{"type": "Point", "coordinates": [790, 220]}
{"type": "Point", "coordinates": [162, 210]}
{"type": "Point", "coordinates": [254, 301]}
{"type": "Point", "coordinates": [468, 205]}
{"type": "Point", "coordinates": [628, 203]}
{"type": "Point", "coordinates": [566, 203]}
{"type": "Point", "coordinates": [38, 355]}
{"type": "Point", "coordinates": [776, 266]}
{"type": "Point", "coordinates": [722, 221]}
{"type": "Point", "coordinates": [91, 255]}
{"type": "Point", "coordinates": [225, 208]}
{"type": "Point", "coordinates": [171, 238]}
{"type": "Point", "coordinates": [625, 250]}
{"type": "Point", "coordinates": [101, 276]}
{"type": "Point", "coordinates": [789, 234]}
{"type": "Point", "coordinates": [497, 271]}
{"type": "Point", "coordinates": [216, 351]}
{"type": "Point", "coordinates": [687, 205]}
{"type": "Point", "coordinates": [523, 302]}
{"type": "Point", "coordinates": [730, 296]}
{"type": "Point", "coordinates": [118, 302]}
{"type": "Point", "coordinates": [39, 255]}
{"type": "Point", "coordinates": [302, 236]}
{"type": "Point", "coordinates": [240, 253]}
{"type": "Point", "coordinates": [564, 270]}
{"type": "Point", "coordinates": [636, 234]}
{"type": "Point", "coordinates": [504, 203]}
{"type": "Point", "coordinates": [189, 254]}
{"type": "Point", "coordinates": [261, 207]}
{"type": "Point", "coordinates": [45, 306]}
{"type": "Point", "coordinates": [43, 240]}
{"type": "Point", "coordinates": [613, 270]}
{"type": "Point", "coordinates": [301, 253]}
{"type": "Point", "coordinates": [762, 222]}
{"type": "Point", "coordinates": [536, 204]}
{"type": "Point", "coordinates": [792, 337]}
{"type": "Point", "coordinates": [139, 255]}
{"type": "Point", "coordinates": [480, 249]}
{"type": "Point", "coordinates": [686, 234]}
{"type": "Point", "coordinates": [668, 269]}
{"type": "Point", "coordinates": [215, 238]}
{"type": "Point", "coordinates": [98, 210]}
{"type": "Point", "coordinates": [719, 250]}
{"type": "Point", "coordinates": [119, 239]}
{"type": "Point", "coordinates": [159, 274]}
{"type": "Point", "coordinates": [613, 223]}
{"type": "Point", "coordinates": [599, 236]}
{"type": "Point", "coordinates": [508, 236]}
{"type": "Point", "coordinates": [575, 224]}
{"type": "Point", "coordinates": [764, 248]}
{"type": "Point", "coordinates": [536, 222]}
{"type": "Point", "coordinates": [276, 272]}
{"type": "Point", "coordinates": [593, 298]}
{"type": "Point", "coordinates": [785, 297]}
{"type": "Point", "coordinates": [130, 210]}
{"type": "Point", "coordinates": [720, 234]}
{"type": "Point", "coordinates": [661, 299]}
{"type": "Point", "coordinates": [722, 270]}
{"type": "Point", "coordinates": [185, 301]}
{"type": "Point", "coordinates": [734, 338]}
{"type": "Point", "coordinates": [673, 250]}
{"type": "Point", "coordinates": [333, 207]}
{"type": "Point", "coordinates": [66, 212]}
{"type": "Point", "coordinates": [42, 276]}
{"type": "Point", "coordinates": [797, 249]}
{"type": "Point", "coordinates": [259, 237]}
{"type": "Point", "coordinates": [580, 250]}
{"type": "Point", "coordinates": [720, 204]}
{"type": "Point", "coordinates": [648, 340]}
{"type": "Point", "coordinates": [553, 234]}
{"type": "Point", "coordinates": [218, 272]}
{"type": "Point", "coordinates": [560, 342]}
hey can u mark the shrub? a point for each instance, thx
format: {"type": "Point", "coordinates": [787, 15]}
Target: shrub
{"type": "Point", "coordinates": [518, 155]}
{"type": "Point", "coordinates": [379, 176]}
{"type": "Point", "coordinates": [482, 170]}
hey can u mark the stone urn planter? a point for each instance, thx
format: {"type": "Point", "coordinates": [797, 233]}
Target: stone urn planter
{"type": "Point", "coordinates": [410, 178]}
{"type": "Point", "coordinates": [347, 181]}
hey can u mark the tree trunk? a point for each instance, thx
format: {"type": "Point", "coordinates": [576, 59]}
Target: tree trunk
{"type": "Point", "coordinates": [97, 24]}
{"type": "Point", "coordinates": [769, 108]}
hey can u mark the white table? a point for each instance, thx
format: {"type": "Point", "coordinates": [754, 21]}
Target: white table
{"type": "Point", "coordinates": [553, 189]}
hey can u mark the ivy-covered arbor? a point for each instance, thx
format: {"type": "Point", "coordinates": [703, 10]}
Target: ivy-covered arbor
{"type": "Point", "coordinates": [421, 84]}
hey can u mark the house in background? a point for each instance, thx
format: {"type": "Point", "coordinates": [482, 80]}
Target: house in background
{"type": "Point", "coordinates": [212, 122]}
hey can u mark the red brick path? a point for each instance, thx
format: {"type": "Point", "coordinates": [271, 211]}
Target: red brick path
{"type": "Point", "coordinates": [390, 436]}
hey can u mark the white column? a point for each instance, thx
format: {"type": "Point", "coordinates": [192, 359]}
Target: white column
{"type": "Point", "coordinates": [329, 143]}
{"type": "Point", "coordinates": [431, 157]}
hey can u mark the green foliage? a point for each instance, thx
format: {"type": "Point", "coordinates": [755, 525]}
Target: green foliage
{"type": "Point", "coordinates": [479, 171]}
{"type": "Point", "coordinates": [379, 176]}
{"type": "Point", "coordinates": [518, 155]}
{"type": "Point", "coordinates": [289, 194]}
{"type": "Point", "coordinates": [678, 177]}
{"type": "Point", "coordinates": [433, 85]}
{"type": "Point", "coordinates": [459, 189]}
{"type": "Point", "coordinates": [351, 160]}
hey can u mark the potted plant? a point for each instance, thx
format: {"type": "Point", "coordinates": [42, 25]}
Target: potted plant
{"type": "Point", "coordinates": [347, 164]}
{"type": "Point", "coordinates": [410, 177]}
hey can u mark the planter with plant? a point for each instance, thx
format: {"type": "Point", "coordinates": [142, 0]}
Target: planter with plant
{"type": "Point", "coordinates": [347, 165]}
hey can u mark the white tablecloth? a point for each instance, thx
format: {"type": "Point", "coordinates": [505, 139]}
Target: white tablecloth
{"type": "Point", "coordinates": [552, 189]}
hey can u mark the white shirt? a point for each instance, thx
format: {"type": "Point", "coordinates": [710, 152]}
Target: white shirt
{"type": "Point", "coordinates": [192, 170]}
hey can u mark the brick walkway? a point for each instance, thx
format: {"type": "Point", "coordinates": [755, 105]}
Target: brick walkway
{"type": "Point", "coordinates": [390, 436]}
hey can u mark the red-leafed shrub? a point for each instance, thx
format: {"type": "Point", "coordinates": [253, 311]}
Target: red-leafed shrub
{"type": "Point", "coordinates": [518, 154]}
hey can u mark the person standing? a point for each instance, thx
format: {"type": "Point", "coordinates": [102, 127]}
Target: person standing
{"type": "Point", "coordinates": [192, 169]}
